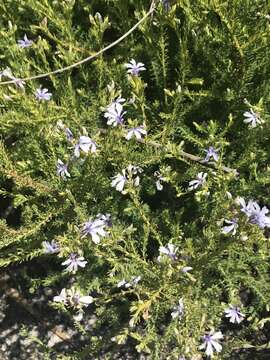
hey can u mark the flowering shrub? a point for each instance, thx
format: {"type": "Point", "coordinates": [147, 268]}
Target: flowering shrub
{"type": "Point", "coordinates": [142, 177]}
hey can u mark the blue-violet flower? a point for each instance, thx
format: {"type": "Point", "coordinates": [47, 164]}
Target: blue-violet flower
{"type": "Point", "coordinates": [62, 169]}
{"type": "Point", "coordinates": [211, 152]}
{"type": "Point", "coordinates": [138, 132]}
{"type": "Point", "coordinates": [114, 114]}
{"type": "Point", "coordinates": [231, 227]}
{"type": "Point", "coordinates": [211, 344]}
{"type": "Point", "coordinates": [94, 228]}
{"type": "Point", "coordinates": [50, 247]}
{"type": "Point", "coordinates": [25, 43]}
{"type": "Point", "coordinates": [85, 144]}
{"type": "Point", "coordinates": [234, 314]}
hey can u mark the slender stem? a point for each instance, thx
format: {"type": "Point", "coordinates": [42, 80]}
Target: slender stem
{"type": "Point", "coordinates": [89, 58]}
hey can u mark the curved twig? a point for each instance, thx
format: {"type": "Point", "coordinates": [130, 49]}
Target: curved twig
{"type": "Point", "coordinates": [89, 58]}
{"type": "Point", "coordinates": [184, 154]}
{"type": "Point", "coordinates": [194, 158]}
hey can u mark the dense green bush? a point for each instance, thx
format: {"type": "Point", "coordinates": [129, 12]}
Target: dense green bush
{"type": "Point", "coordinates": [166, 257]}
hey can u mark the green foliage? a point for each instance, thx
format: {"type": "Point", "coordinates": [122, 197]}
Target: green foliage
{"type": "Point", "coordinates": [207, 62]}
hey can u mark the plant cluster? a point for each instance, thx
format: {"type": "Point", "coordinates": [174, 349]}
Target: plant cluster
{"type": "Point", "coordinates": [141, 179]}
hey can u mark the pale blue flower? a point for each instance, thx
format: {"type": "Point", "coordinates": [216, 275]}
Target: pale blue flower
{"type": "Point", "coordinates": [199, 181]}
{"type": "Point", "coordinates": [211, 152]}
{"type": "Point", "coordinates": [114, 114]}
{"type": "Point", "coordinates": [246, 208]}
{"type": "Point", "coordinates": [255, 214]}
{"type": "Point", "coordinates": [62, 169]}
{"type": "Point", "coordinates": [74, 262]}
{"type": "Point", "coordinates": [69, 134]}
{"type": "Point", "coordinates": [25, 43]}
{"type": "Point", "coordinates": [234, 314]}
{"type": "Point", "coordinates": [231, 227]}
{"type": "Point", "coordinates": [211, 344]}
{"type": "Point", "coordinates": [43, 94]}
{"type": "Point", "coordinates": [50, 247]}
{"type": "Point", "coordinates": [168, 251]}
{"type": "Point", "coordinates": [259, 217]}
{"type": "Point", "coordinates": [85, 144]}
{"type": "Point", "coordinates": [134, 68]}
{"type": "Point", "coordinates": [138, 132]}
{"type": "Point", "coordinates": [95, 229]}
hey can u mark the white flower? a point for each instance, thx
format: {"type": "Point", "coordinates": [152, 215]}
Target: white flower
{"type": "Point", "coordinates": [73, 297]}
{"type": "Point", "coordinates": [133, 282]}
{"type": "Point", "coordinates": [133, 171]}
{"type": "Point", "coordinates": [138, 132]}
{"type": "Point", "coordinates": [85, 144]}
{"type": "Point", "coordinates": [74, 262]}
{"type": "Point", "coordinates": [62, 297]}
{"type": "Point", "coordinates": [119, 181]}
{"type": "Point", "coordinates": [234, 314]}
{"type": "Point", "coordinates": [129, 174]}
{"type": "Point", "coordinates": [118, 100]}
{"type": "Point", "coordinates": [199, 181]}
{"type": "Point", "coordinates": [178, 310]}
{"type": "Point", "coordinates": [159, 181]}
{"type": "Point", "coordinates": [76, 299]}
{"type": "Point", "coordinates": [134, 68]}
{"type": "Point", "coordinates": [168, 251]}
{"type": "Point", "coordinates": [122, 283]}
{"type": "Point", "coordinates": [252, 118]}
{"type": "Point", "coordinates": [186, 269]}
{"type": "Point", "coordinates": [211, 344]}
{"type": "Point", "coordinates": [43, 94]}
